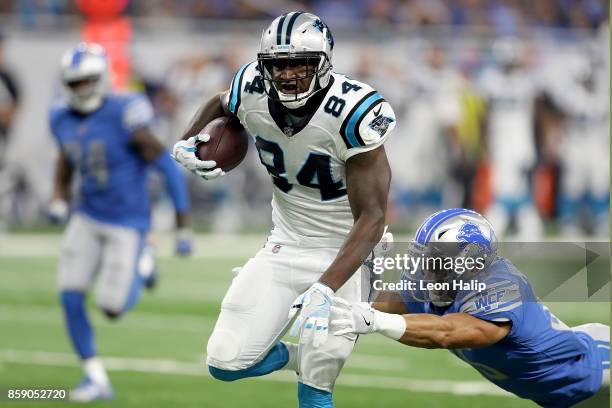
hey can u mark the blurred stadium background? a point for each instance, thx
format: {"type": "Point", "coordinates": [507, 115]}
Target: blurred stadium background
{"type": "Point", "coordinates": [453, 70]}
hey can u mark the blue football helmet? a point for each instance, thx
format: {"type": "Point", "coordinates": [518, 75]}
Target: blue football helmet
{"type": "Point", "coordinates": [446, 241]}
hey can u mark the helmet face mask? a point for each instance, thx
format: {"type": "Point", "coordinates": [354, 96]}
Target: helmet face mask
{"type": "Point", "coordinates": [84, 89]}
{"type": "Point", "coordinates": [292, 78]}
{"type": "Point", "coordinates": [456, 247]}
{"type": "Point", "coordinates": [436, 272]}
{"type": "Point", "coordinates": [295, 58]}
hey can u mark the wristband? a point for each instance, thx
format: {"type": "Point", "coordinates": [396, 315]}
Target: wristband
{"type": "Point", "coordinates": [390, 325]}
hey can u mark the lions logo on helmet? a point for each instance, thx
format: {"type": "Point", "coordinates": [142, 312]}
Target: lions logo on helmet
{"type": "Point", "coordinates": [452, 234]}
{"type": "Point", "coordinates": [470, 233]}
{"type": "Point", "coordinates": [292, 40]}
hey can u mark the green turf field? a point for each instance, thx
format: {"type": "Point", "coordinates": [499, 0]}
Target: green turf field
{"type": "Point", "coordinates": [155, 354]}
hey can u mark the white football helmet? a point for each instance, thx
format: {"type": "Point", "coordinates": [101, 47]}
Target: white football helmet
{"type": "Point", "coordinates": [450, 235]}
{"type": "Point", "coordinates": [508, 51]}
{"type": "Point", "coordinates": [298, 36]}
{"type": "Point", "coordinates": [85, 63]}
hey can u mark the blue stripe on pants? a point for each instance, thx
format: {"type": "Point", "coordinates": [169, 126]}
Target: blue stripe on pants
{"type": "Point", "coordinates": [276, 359]}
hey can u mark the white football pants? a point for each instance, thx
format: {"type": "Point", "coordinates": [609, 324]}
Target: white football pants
{"type": "Point", "coordinates": [254, 313]}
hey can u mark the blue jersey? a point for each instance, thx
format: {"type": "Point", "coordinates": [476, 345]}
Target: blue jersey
{"type": "Point", "coordinates": [113, 176]}
{"type": "Point", "coordinates": [541, 359]}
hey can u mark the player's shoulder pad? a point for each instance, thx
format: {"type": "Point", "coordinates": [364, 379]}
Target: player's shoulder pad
{"type": "Point", "coordinates": [135, 107]}
{"type": "Point", "coordinates": [124, 99]}
{"type": "Point", "coordinates": [365, 116]}
{"type": "Point", "coordinates": [247, 85]}
{"type": "Point", "coordinates": [502, 294]}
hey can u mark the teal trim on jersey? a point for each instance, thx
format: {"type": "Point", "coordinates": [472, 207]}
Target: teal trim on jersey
{"type": "Point", "coordinates": [235, 92]}
{"type": "Point", "coordinates": [351, 130]}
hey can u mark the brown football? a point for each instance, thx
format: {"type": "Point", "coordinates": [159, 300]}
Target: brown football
{"type": "Point", "coordinates": [228, 143]}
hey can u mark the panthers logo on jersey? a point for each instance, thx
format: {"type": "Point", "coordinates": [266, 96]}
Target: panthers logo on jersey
{"type": "Point", "coordinates": [307, 159]}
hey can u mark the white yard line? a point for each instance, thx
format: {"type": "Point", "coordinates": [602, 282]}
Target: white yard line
{"type": "Point", "coordinates": [174, 367]}
{"type": "Point", "coordinates": [141, 320]}
{"type": "Point", "coordinates": [161, 322]}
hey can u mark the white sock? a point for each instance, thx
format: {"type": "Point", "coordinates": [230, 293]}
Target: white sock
{"type": "Point", "coordinates": [390, 325]}
{"type": "Point", "coordinates": [95, 371]}
{"type": "Point", "coordinates": [293, 352]}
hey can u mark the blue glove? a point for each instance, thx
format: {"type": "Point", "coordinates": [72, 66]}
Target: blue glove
{"type": "Point", "coordinates": [184, 244]}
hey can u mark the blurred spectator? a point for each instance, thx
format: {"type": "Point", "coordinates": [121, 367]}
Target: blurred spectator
{"type": "Point", "coordinates": [504, 17]}
{"type": "Point", "coordinates": [340, 12]}
{"type": "Point", "coordinates": [10, 99]}
{"type": "Point", "coordinates": [545, 13]}
{"type": "Point", "coordinates": [467, 12]}
{"type": "Point", "coordinates": [381, 11]}
{"type": "Point", "coordinates": [426, 12]}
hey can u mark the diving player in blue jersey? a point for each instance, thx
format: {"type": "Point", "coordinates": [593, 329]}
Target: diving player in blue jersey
{"type": "Point", "coordinates": [105, 140]}
{"type": "Point", "coordinates": [502, 330]}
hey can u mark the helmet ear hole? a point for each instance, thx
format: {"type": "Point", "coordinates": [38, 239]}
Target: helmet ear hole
{"type": "Point", "coordinates": [441, 233]}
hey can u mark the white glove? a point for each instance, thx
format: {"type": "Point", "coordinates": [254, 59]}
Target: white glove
{"type": "Point", "coordinates": [355, 318]}
{"type": "Point", "coordinates": [361, 318]}
{"type": "Point", "coordinates": [184, 153]}
{"type": "Point", "coordinates": [314, 306]}
{"type": "Point", "coordinates": [58, 211]}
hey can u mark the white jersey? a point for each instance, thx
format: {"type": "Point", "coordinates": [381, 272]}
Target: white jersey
{"type": "Point", "coordinates": [307, 161]}
{"type": "Point", "coordinates": [511, 99]}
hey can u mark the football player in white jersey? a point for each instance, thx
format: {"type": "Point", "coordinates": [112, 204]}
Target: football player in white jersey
{"type": "Point", "coordinates": [581, 91]}
{"type": "Point", "coordinates": [510, 93]}
{"type": "Point", "coordinates": [320, 135]}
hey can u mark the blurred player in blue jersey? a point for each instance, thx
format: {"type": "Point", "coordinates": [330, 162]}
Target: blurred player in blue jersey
{"type": "Point", "coordinates": [503, 331]}
{"type": "Point", "coordinates": [105, 138]}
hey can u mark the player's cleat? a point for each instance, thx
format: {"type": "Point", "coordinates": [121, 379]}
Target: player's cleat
{"type": "Point", "coordinates": [88, 391]}
{"type": "Point", "coordinates": [147, 268]}
{"type": "Point", "coordinates": [151, 281]}
{"type": "Point", "coordinates": [58, 212]}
